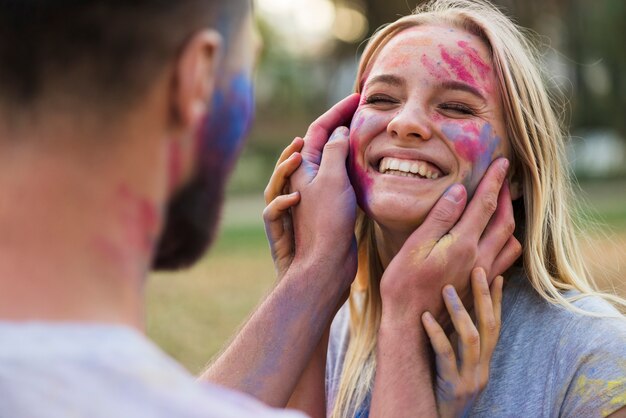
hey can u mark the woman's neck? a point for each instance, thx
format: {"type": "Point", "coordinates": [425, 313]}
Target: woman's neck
{"type": "Point", "coordinates": [389, 242]}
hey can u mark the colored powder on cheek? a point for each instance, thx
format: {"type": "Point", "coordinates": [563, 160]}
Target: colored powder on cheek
{"type": "Point", "coordinates": [471, 128]}
{"type": "Point", "coordinates": [360, 180]}
{"type": "Point", "coordinates": [490, 142]}
{"type": "Point", "coordinates": [436, 70]}
{"type": "Point", "coordinates": [468, 146]}
{"type": "Point", "coordinates": [457, 66]}
{"type": "Point", "coordinates": [478, 149]}
{"type": "Point", "coordinates": [483, 68]}
{"type": "Point", "coordinates": [221, 135]}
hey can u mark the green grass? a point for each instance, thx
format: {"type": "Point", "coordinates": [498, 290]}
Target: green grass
{"type": "Point", "coordinates": [241, 238]}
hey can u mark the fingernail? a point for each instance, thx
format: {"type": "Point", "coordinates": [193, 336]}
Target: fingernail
{"type": "Point", "coordinates": [454, 194]}
{"type": "Point", "coordinates": [450, 292]}
{"type": "Point", "coordinates": [482, 276]}
{"type": "Point", "coordinates": [339, 133]}
{"type": "Point", "coordinates": [428, 317]}
{"type": "Point", "coordinates": [505, 164]}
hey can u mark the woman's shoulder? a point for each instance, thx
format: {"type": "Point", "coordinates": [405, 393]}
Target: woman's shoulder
{"type": "Point", "coordinates": [580, 357]}
{"type": "Point", "coordinates": [522, 301]}
{"type": "Point", "coordinates": [595, 322]}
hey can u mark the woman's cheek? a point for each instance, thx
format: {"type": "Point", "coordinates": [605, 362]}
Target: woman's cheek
{"type": "Point", "coordinates": [478, 145]}
{"type": "Point", "coordinates": [357, 168]}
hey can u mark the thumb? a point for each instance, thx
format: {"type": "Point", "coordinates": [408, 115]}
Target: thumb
{"type": "Point", "coordinates": [335, 152]}
{"type": "Point", "coordinates": [441, 218]}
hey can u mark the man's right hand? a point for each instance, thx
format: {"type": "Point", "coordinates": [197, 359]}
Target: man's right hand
{"type": "Point", "coordinates": [323, 221]}
{"type": "Point", "coordinates": [451, 242]}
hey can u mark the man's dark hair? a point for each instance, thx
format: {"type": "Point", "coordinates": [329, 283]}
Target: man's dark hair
{"type": "Point", "coordinates": [97, 51]}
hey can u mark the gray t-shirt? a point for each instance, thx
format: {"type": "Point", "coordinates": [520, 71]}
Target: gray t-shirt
{"type": "Point", "coordinates": [549, 362]}
{"type": "Point", "coordinates": [101, 371]}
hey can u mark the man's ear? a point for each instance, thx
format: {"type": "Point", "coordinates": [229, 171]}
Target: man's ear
{"type": "Point", "coordinates": [195, 78]}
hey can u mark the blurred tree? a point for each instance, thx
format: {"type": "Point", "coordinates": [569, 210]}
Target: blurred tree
{"type": "Point", "coordinates": [585, 38]}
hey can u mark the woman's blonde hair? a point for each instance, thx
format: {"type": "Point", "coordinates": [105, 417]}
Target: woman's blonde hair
{"type": "Point", "coordinates": [552, 260]}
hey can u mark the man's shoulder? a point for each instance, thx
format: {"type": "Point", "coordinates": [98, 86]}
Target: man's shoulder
{"type": "Point", "coordinates": [102, 372]}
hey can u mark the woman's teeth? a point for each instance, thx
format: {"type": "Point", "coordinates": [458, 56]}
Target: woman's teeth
{"type": "Point", "coordinates": [407, 168]}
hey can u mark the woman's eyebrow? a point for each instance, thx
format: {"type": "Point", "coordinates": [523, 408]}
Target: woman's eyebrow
{"type": "Point", "coordinates": [390, 79]}
{"type": "Point", "coordinates": [457, 85]}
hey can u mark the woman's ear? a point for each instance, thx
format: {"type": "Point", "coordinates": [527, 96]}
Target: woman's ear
{"type": "Point", "coordinates": [195, 76]}
{"type": "Point", "coordinates": [515, 184]}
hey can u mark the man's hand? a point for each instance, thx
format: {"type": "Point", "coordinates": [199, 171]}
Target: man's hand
{"type": "Point", "coordinates": [442, 251]}
{"type": "Point", "coordinates": [445, 249]}
{"type": "Point", "coordinates": [323, 221]}
{"type": "Point", "coordinates": [274, 352]}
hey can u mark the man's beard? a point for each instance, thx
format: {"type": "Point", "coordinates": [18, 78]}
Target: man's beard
{"type": "Point", "coordinates": [191, 221]}
{"type": "Point", "coordinates": [193, 212]}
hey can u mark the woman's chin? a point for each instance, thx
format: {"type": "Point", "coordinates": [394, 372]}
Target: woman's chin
{"type": "Point", "coordinates": [400, 219]}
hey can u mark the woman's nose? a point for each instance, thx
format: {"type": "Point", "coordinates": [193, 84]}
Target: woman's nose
{"type": "Point", "coordinates": [409, 124]}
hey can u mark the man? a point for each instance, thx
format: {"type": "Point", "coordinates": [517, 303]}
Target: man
{"type": "Point", "coordinates": [119, 122]}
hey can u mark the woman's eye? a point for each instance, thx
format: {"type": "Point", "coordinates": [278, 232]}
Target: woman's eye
{"type": "Point", "coordinates": [380, 99]}
{"type": "Point", "coordinates": [457, 108]}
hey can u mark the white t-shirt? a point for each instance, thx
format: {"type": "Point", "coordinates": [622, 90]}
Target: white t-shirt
{"type": "Point", "coordinates": [92, 371]}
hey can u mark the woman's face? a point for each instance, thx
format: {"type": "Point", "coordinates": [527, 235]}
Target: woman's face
{"type": "Point", "coordinates": [430, 116]}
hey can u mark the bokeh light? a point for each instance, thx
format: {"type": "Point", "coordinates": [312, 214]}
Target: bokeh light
{"type": "Point", "coordinates": [310, 27]}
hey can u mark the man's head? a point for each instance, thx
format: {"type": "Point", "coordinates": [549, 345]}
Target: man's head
{"type": "Point", "coordinates": [98, 60]}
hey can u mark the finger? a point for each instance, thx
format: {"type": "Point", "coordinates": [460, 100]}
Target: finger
{"type": "Point", "coordinates": [498, 232]}
{"type": "Point", "coordinates": [439, 221]}
{"type": "Point", "coordinates": [277, 207]}
{"type": "Point", "coordinates": [274, 213]}
{"type": "Point", "coordinates": [335, 153]}
{"type": "Point", "coordinates": [496, 298]}
{"type": "Point", "coordinates": [445, 357]}
{"type": "Point", "coordinates": [511, 252]}
{"type": "Point", "coordinates": [488, 327]}
{"type": "Point", "coordinates": [295, 146]}
{"type": "Point", "coordinates": [468, 334]}
{"type": "Point", "coordinates": [280, 177]}
{"type": "Point", "coordinates": [484, 203]}
{"type": "Point", "coordinates": [320, 130]}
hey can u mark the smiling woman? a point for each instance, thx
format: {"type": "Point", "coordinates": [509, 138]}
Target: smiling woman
{"type": "Point", "coordinates": [452, 107]}
{"type": "Point", "coordinates": [445, 92]}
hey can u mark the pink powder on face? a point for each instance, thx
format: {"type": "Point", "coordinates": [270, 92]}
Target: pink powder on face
{"type": "Point", "coordinates": [361, 181]}
{"type": "Point", "coordinates": [483, 68]}
{"type": "Point", "coordinates": [469, 149]}
{"type": "Point", "coordinates": [399, 61]}
{"type": "Point", "coordinates": [435, 70]}
{"type": "Point", "coordinates": [457, 67]}
{"type": "Point", "coordinates": [471, 128]}
{"type": "Point", "coordinates": [466, 139]}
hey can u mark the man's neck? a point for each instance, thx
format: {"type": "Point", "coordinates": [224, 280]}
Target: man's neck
{"type": "Point", "coordinates": [76, 239]}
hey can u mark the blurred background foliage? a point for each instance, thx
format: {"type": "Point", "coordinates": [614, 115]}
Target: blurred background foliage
{"type": "Point", "coordinates": [309, 61]}
{"type": "Point", "coordinates": [311, 50]}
